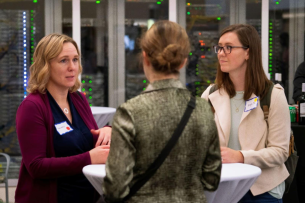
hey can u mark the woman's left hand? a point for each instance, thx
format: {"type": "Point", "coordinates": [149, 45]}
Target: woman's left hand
{"type": "Point", "coordinates": [104, 136]}
{"type": "Point", "coordinates": [231, 156]}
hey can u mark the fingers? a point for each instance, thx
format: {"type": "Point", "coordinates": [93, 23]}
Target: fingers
{"type": "Point", "coordinates": [105, 146]}
{"type": "Point", "coordinates": [94, 132]}
{"type": "Point", "coordinates": [106, 140]}
{"type": "Point", "coordinates": [100, 139]}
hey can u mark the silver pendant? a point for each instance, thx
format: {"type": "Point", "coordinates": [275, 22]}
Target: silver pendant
{"type": "Point", "coordinates": [66, 111]}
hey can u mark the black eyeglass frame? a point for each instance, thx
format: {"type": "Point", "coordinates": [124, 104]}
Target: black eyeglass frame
{"type": "Point", "coordinates": [222, 48]}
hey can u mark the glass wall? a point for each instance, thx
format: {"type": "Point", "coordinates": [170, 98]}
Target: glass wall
{"type": "Point", "coordinates": [139, 16]}
{"type": "Point", "coordinates": [286, 40]}
{"type": "Point", "coordinates": [94, 46]}
{"type": "Point", "coordinates": [21, 27]}
{"type": "Point", "coordinates": [204, 21]}
{"type": "Point", "coordinates": [254, 14]}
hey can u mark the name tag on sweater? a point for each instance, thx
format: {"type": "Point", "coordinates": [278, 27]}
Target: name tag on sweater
{"type": "Point", "coordinates": [251, 104]}
{"type": "Point", "coordinates": [63, 128]}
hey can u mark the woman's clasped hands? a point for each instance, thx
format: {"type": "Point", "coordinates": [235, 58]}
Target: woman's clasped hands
{"type": "Point", "coordinates": [231, 156]}
{"type": "Point", "coordinates": [100, 153]}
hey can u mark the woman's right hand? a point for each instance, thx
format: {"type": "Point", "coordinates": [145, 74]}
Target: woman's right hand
{"type": "Point", "coordinates": [99, 154]}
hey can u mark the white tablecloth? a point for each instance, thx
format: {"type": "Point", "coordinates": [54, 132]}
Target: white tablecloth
{"type": "Point", "coordinates": [235, 182]}
{"type": "Point", "coordinates": [95, 174]}
{"type": "Point", "coordinates": [102, 115]}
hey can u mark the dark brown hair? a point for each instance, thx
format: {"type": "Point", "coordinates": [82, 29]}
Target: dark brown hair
{"type": "Point", "coordinates": [167, 45]}
{"type": "Point", "coordinates": [255, 79]}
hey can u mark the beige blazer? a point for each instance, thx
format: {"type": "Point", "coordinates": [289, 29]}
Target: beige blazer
{"type": "Point", "coordinates": [260, 146]}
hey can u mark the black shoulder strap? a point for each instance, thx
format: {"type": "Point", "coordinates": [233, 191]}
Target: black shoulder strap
{"type": "Point", "coordinates": [165, 152]}
{"type": "Point", "coordinates": [265, 102]}
{"type": "Point", "coordinates": [212, 89]}
{"type": "Point", "coordinates": [79, 94]}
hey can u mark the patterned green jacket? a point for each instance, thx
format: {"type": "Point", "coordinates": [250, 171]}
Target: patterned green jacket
{"type": "Point", "coordinates": [141, 128]}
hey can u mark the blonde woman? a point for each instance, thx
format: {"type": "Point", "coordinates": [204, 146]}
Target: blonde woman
{"type": "Point", "coordinates": [56, 129]}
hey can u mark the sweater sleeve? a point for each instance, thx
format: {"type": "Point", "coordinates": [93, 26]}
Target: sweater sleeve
{"type": "Point", "coordinates": [32, 130]}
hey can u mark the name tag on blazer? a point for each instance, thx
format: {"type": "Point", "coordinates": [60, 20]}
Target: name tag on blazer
{"type": "Point", "coordinates": [63, 128]}
{"type": "Point", "coordinates": [251, 104]}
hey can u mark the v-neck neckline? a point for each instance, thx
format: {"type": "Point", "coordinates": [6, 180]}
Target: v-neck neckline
{"type": "Point", "coordinates": [69, 102]}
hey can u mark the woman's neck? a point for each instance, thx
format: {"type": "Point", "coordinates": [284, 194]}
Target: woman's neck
{"type": "Point", "coordinates": [59, 96]}
{"type": "Point", "coordinates": [238, 80]}
{"type": "Point", "coordinates": [157, 77]}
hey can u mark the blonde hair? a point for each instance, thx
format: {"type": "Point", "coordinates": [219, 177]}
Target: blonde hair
{"type": "Point", "coordinates": [48, 48]}
{"type": "Point", "coordinates": [167, 45]}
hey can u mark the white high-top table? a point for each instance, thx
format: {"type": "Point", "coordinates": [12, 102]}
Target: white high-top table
{"type": "Point", "coordinates": [102, 115]}
{"type": "Point", "coordinates": [235, 182]}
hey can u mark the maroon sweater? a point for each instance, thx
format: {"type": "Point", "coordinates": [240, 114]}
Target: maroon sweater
{"type": "Point", "coordinates": [39, 167]}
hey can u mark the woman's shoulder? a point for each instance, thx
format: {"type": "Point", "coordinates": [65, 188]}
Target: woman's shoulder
{"type": "Point", "coordinates": [34, 104]}
{"type": "Point", "coordinates": [207, 92]}
{"type": "Point", "coordinates": [35, 98]}
{"type": "Point", "coordinates": [277, 91]}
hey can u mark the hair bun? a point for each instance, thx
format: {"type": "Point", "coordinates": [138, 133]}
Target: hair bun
{"type": "Point", "coordinates": [170, 52]}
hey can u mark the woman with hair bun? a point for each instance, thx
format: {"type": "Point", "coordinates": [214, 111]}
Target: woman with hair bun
{"type": "Point", "coordinates": [143, 126]}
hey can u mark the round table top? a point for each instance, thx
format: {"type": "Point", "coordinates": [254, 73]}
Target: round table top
{"type": "Point", "coordinates": [102, 110]}
{"type": "Point", "coordinates": [238, 171]}
{"type": "Point", "coordinates": [95, 170]}
{"type": "Point", "coordinates": [229, 172]}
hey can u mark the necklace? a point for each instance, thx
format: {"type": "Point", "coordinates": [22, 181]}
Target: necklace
{"type": "Point", "coordinates": [66, 110]}
{"type": "Point", "coordinates": [237, 107]}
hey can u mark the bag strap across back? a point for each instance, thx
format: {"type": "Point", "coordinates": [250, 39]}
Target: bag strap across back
{"type": "Point", "coordinates": [165, 152]}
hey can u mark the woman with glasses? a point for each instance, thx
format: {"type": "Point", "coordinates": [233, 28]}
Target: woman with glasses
{"type": "Point", "coordinates": [245, 137]}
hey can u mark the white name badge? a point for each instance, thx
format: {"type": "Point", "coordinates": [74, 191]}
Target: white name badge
{"type": "Point", "coordinates": [251, 104]}
{"type": "Point", "coordinates": [63, 128]}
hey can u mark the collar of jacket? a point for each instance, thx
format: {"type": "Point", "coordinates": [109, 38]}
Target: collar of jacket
{"type": "Point", "coordinates": [164, 84]}
{"type": "Point", "coordinates": [221, 103]}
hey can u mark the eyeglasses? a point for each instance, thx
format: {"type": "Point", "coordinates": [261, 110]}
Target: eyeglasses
{"type": "Point", "coordinates": [226, 49]}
